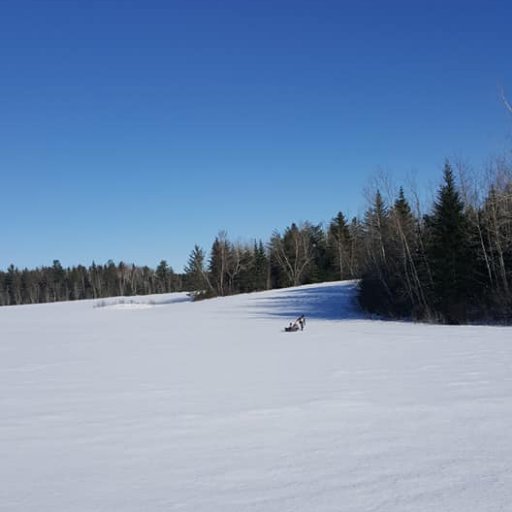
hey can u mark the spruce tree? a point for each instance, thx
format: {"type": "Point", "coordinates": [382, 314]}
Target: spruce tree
{"type": "Point", "coordinates": [217, 265]}
{"type": "Point", "coordinates": [405, 276]}
{"type": "Point", "coordinates": [339, 244]}
{"type": "Point", "coordinates": [195, 273]}
{"type": "Point", "coordinates": [375, 289]}
{"type": "Point", "coordinates": [245, 278]}
{"type": "Point", "coordinates": [402, 209]}
{"type": "Point", "coordinates": [449, 252]}
{"type": "Point", "coordinates": [377, 231]}
{"type": "Point", "coordinates": [260, 267]}
{"type": "Point", "coordinates": [57, 279]}
{"type": "Point", "coordinates": [163, 275]}
{"type": "Point", "coordinates": [318, 270]}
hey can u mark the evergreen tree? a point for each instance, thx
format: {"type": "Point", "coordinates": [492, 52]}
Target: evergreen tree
{"type": "Point", "coordinates": [494, 238]}
{"type": "Point", "coordinates": [318, 269]}
{"type": "Point", "coordinates": [377, 231]}
{"type": "Point", "coordinates": [218, 265]}
{"type": "Point", "coordinates": [58, 275]}
{"type": "Point", "coordinates": [260, 267]}
{"type": "Point", "coordinates": [403, 210]}
{"type": "Point", "coordinates": [339, 244]}
{"type": "Point", "coordinates": [245, 279]}
{"type": "Point", "coordinates": [375, 289]}
{"type": "Point", "coordinates": [164, 277]}
{"type": "Point", "coordinates": [404, 263]}
{"type": "Point", "coordinates": [195, 273]}
{"type": "Point", "coordinates": [356, 257]}
{"type": "Point", "coordinates": [111, 280]}
{"type": "Point", "coordinates": [449, 253]}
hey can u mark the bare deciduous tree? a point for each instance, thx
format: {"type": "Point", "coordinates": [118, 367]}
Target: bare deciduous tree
{"type": "Point", "coordinates": [293, 252]}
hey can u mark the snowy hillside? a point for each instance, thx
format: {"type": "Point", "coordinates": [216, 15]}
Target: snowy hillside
{"type": "Point", "coordinates": [160, 404]}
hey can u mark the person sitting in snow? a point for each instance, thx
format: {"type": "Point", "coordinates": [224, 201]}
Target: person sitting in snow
{"type": "Point", "coordinates": [292, 327]}
{"type": "Point", "coordinates": [301, 321]}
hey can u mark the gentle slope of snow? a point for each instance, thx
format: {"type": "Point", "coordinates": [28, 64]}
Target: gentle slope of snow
{"type": "Point", "coordinates": [160, 404]}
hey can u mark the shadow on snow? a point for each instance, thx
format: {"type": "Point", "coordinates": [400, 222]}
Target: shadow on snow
{"type": "Point", "coordinates": [336, 302]}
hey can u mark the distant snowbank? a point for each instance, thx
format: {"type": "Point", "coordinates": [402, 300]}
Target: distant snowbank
{"type": "Point", "coordinates": [141, 301]}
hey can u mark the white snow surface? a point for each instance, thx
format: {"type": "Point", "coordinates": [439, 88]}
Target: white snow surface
{"type": "Point", "coordinates": [160, 404]}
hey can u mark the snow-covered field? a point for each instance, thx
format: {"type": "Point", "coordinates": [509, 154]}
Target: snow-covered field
{"type": "Point", "coordinates": [160, 404]}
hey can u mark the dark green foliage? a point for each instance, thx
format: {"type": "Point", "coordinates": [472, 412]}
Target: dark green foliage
{"type": "Point", "coordinates": [260, 268]}
{"type": "Point", "coordinates": [391, 283]}
{"type": "Point", "coordinates": [376, 226]}
{"type": "Point", "coordinates": [164, 277]}
{"type": "Point", "coordinates": [254, 269]}
{"type": "Point", "coordinates": [402, 208]}
{"type": "Point", "coordinates": [196, 277]}
{"type": "Point", "coordinates": [493, 236]}
{"type": "Point", "coordinates": [452, 266]}
{"type": "Point", "coordinates": [451, 258]}
{"type": "Point", "coordinates": [218, 265]}
{"type": "Point", "coordinates": [318, 270]}
{"type": "Point", "coordinates": [339, 248]}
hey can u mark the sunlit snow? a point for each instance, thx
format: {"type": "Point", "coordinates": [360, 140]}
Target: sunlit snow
{"type": "Point", "coordinates": [160, 404]}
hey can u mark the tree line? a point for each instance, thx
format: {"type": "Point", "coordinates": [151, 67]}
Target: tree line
{"type": "Point", "coordinates": [300, 254]}
{"type": "Point", "coordinates": [55, 283]}
{"type": "Point", "coordinates": [452, 264]}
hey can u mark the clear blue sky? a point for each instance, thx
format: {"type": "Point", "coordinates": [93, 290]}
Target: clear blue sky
{"type": "Point", "coordinates": [131, 130]}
